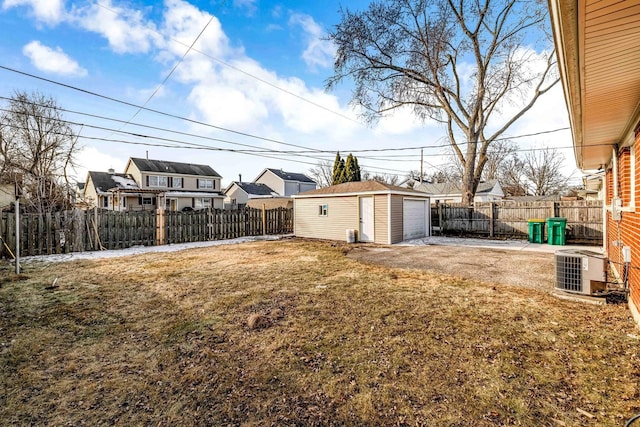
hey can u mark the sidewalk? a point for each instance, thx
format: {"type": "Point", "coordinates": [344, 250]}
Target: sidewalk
{"type": "Point", "coordinates": [513, 245]}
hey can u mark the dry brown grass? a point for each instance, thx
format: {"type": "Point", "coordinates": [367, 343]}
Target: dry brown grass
{"type": "Point", "coordinates": [166, 339]}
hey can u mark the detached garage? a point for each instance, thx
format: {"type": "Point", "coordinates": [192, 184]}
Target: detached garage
{"type": "Point", "coordinates": [376, 212]}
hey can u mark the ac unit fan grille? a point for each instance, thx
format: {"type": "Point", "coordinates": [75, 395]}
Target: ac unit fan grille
{"type": "Point", "coordinates": [569, 273]}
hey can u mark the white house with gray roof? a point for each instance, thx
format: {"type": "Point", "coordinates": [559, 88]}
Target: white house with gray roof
{"type": "Point", "coordinates": [180, 185]}
{"type": "Point", "coordinates": [149, 184]}
{"type": "Point", "coordinates": [238, 193]}
{"type": "Point", "coordinates": [285, 183]}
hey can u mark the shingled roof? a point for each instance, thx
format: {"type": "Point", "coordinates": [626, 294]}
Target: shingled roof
{"type": "Point", "coordinates": [291, 176]}
{"type": "Point", "coordinates": [105, 181]}
{"type": "Point", "coordinates": [162, 166]}
{"type": "Point", "coordinates": [254, 188]}
{"type": "Point", "coordinates": [360, 187]}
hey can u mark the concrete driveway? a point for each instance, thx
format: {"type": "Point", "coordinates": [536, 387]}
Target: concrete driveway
{"type": "Point", "coordinates": [508, 262]}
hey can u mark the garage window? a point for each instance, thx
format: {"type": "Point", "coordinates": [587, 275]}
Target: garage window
{"type": "Point", "coordinates": [322, 210]}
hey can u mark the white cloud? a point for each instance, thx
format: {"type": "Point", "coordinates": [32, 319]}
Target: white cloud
{"type": "Point", "coordinates": [183, 22]}
{"type": "Point", "coordinates": [319, 52]}
{"type": "Point", "coordinates": [48, 11]}
{"type": "Point", "coordinates": [92, 159]}
{"type": "Point", "coordinates": [248, 5]}
{"type": "Point", "coordinates": [52, 60]}
{"type": "Point", "coordinates": [126, 30]}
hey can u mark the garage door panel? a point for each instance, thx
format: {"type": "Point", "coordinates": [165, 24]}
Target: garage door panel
{"type": "Point", "coordinates": [414, 219]}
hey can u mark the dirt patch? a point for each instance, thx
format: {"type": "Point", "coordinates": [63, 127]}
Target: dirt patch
{"type": "Point", "coordinates": [520, 268]}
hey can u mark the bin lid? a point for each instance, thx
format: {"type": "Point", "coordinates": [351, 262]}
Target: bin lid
{"type": "Point", "coordinates": [556, 219]}
{"type": "Point", "coordinates": [536, 220]}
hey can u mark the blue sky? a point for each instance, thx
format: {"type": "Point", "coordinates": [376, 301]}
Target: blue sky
{"type": "Point", "coordinates": [258, 70]}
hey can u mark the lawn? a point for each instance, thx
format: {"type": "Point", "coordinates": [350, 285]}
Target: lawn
{"type": "Point", "coordinates": [295, 333]}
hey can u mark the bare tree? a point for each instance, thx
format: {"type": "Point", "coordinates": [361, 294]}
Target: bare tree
{"type": "Point", "coordinates": [456, 62]}
{"type": "Point", "coordinates": [36, 143]}
{"type": "Point", "coordinates": [322, 174]}
{"type": "Point", "coordinates": [497, 154]}
{"type": "Point", "coordinates": [543, 171]}
{"type": "Point", "coordinates": [511, 176]}
{"type": "Point", "coordinates": [386, 178]}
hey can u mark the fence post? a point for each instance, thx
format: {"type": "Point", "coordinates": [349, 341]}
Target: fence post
{"type": "Point", "coordinates": [492, 207]}
{"type": "Point", "coordinates": [264, 219]}
{"type": "Point", "coordinates": [210, 222]}
{"type": "Point", "coordinates": [160, 226]}
{"type": "Point", "coordinates": [556, 209]}
{"type": "Point", "coordinates": [440, 219]}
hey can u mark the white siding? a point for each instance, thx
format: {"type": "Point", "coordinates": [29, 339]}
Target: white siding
{"type": "Point", "coordinates": [396, 218]}
{"type": "Point", "coordinates": [342, 215]}
{"type": "Point", "coordinates": [271, 180]}
{"type": "Point", "coordinates": [238, 194]}
{"type": "Point", "coordinates": [381, 218]}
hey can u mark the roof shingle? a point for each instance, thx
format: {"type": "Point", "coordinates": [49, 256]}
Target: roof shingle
{"type": "Point", "coordinates": [254, 188]}
{"type": "Point", "coordinates": [291, 176]}
{"type": "Point", "coordinates": [105, 181]}
{"type": "Point", "coordinates": [162, 166]}
{"type": "Point", "coordinates": [359, 187]}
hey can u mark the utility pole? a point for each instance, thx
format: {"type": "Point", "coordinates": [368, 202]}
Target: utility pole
{"type": "Point", "coordinates": [421, 163]}
{"type": "Point", "coordinates": [17, 209]}
{"type": "Point", "coordinates": [18, 193]}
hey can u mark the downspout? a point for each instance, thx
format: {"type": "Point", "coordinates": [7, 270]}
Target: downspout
{"type": "Point", "coordinates": [614, 155]}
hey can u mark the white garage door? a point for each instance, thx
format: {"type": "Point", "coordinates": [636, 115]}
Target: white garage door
{"type": "Point", "coordinates": [415, 215]}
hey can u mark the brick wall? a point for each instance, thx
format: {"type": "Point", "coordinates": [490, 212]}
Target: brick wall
{"type": "Point", "coordinates": [627, 230]}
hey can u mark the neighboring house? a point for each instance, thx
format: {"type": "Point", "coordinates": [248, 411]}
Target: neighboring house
{"type": "Point", "coordinates": [272, 203]}
{"type": "Point", "coordinates": [179, 185]}
{"type": "Point", "coordinates": [377, 212]}
{"type": "Point", "coordinates": [451, 192]}
{"type": "Point", "coordinates": [239, 193]}
{"type": "Point", "coordinates": [285, 183]}
{"type": "Point", "coordinates": [116, 191]}
{"type": "Point", "coordinates": [7, 195]}
{"type": "Point", "coordinates": [598, 50]}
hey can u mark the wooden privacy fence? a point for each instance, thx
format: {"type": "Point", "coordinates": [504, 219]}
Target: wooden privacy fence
{"type": "Point", "coordinates": [510, 220]}
{"type": "Point", "coordinates": [219, 224]}
{"type": "Point", "coordinates": [97, 229]}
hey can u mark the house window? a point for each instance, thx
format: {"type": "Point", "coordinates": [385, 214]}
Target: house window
{"type": "Point", "coordinates": [323, 210]}
{"type": "Point", "coordinates": [176, 182]}
{"type": "Point", "coordinates": [157, 181]}
{"type": "Point", "coordinates": [207, 184]}
{"type": "Point", "coordinates": [201, 203]}
{"type": "Point", "coordinates": [146, 201]}
{"type": "Point", "coordinates": [105, 202]}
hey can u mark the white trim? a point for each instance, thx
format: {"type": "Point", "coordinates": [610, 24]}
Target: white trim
{"type": "Point", "coordinates": [388, 219]}
{"type": "Point", "coordinates": [361, 193]}
{"type": "Point", "coordinates": [372, 238]}
{"type": "Point", "coordinates": [192, 194]}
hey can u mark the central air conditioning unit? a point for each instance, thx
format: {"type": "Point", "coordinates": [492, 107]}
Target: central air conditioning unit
{"type": "Point", "coordinates": [580, 271]}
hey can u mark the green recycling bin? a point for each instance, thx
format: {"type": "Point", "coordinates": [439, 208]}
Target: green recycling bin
{"type": "Point", "coordinates": [536, 230]}
{"type": "Point", "coordinates": [556, 231]}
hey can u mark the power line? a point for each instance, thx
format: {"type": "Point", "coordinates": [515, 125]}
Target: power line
{"type": "Point", "coordinates": [193, 146]}
{"type": "Point", "coordinates": [261, 80]}
{"type": "Point", "coordinates": [130, 104]}
{"type": "Point", "coordinates": [296, 152]}
{"type": "Point", "coordinates": [176, 65]}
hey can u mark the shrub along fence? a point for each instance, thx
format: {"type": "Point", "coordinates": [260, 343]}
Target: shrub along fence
{"type": "Point", "coordinates": [510, 220]}
{"type": "Point", "coordinates": [78, 230]}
